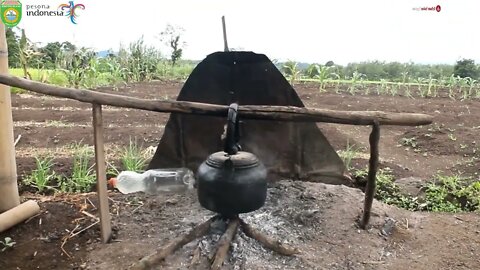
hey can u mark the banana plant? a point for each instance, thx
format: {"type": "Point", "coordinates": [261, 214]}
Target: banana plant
{"type": "Point", "coordinates": [27, 51]}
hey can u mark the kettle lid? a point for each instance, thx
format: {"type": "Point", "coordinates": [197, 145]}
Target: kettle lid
{"type": "Point", "coordinates": [241, 159]}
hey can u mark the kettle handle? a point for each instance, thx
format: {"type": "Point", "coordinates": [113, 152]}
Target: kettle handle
{"type": "Point", "coordinates": [232, 136]}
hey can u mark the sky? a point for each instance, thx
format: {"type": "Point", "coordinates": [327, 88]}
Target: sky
{"type": "Point", "coordinates": [299, 30]}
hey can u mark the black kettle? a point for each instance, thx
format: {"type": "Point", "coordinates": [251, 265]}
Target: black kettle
{"type": "Point", "coordinates": [232, 181]}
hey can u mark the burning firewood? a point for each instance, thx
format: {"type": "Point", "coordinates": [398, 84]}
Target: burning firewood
{"type": "Point", "coordinates": [150, 261]}
{"type": "Point", "coordinates": [268, 242]}
{"type": "Point", "coordinates": [224, 243]}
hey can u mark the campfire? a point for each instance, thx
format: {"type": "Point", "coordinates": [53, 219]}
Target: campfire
{"type": "Point", "coordinates": [233, 224]}
{"type": "Point", "coordinates": [229, 182]}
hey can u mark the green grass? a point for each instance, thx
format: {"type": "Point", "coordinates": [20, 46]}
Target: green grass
{"type": "Point", "coordinates": [350, 152]}
{"type": "Point", "coordinates": [83, 174]}
{"type": "Point", "coordinates": [132, 157]}
{"type": "Point", "coordinates": [43, 175]}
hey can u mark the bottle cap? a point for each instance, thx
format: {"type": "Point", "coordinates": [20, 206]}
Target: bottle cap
{"type": "Point", "coordinates": [112, 182]}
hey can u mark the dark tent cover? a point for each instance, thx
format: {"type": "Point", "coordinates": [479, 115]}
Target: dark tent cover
{"type": "Point", "coordinates": [288, 149]}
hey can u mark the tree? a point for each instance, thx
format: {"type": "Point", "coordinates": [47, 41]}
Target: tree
{"type": "Point", "coordinates": [13, 49]}
{"type": "Point", "coordinates": [466, 68]}
{"type": "Point", "coordinates": [52, 52]}
{"type": "Point", "coordinates": [171, 37]}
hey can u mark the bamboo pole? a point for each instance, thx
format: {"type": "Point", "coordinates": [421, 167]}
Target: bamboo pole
{"type": "Point", "coordinates": [9, 197]}
{"type": "Point", "coordinates": [277, 113]}
{"type": "Point", "coordinates": [18, 214]}
{"type": "Point", "coordinates": [105, 225]}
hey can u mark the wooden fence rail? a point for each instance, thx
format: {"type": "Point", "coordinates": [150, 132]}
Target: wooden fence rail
{"type": "Point", "coordinates": [278, 113]}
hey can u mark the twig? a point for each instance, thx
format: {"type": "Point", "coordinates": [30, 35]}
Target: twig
{"type": "Point", "coordinates": [224, 243]}
{"type": "Point", "coordinates": [89, 215]}
{"type": "Point", "coordinates": [17, 140]}
{"type": "Point", "coordinates": [32, 217]}
{"type": "Point", "coordinates": [138, 207]}
{"type": "Point", "coordinates": [65, 239]}
{"type": "Point", "coordinates": [86, 228]}
{"type": "Point", "coordinates": [93, 205]}
{"type": "Point", "coordinates": [73, 234]}
{"type": "Point", "coordinates": [150, 261]}
{"type": "Point", "coordinates": [268, 242]}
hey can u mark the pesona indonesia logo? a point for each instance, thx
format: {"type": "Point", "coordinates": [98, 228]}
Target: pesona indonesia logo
{"type": "Point", "coordinates": [436, 8]}
{"type": "Point", "coordinates": [70, 10]}
{"type": "Point", "coordinates": [11, 11]}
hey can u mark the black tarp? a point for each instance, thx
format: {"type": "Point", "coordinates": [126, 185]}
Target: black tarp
{"type": "Point", "coordinates": [288, 149]}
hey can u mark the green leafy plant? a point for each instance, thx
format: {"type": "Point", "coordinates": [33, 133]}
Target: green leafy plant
{"type": "Point", "coordinates": [43, 175]}
{"type": "Point", "coordinates": [387, 191]}
{"type": "Point", "coordinates": [451, 194]}
{"type": "Point", "coordinates": [7, 243]}
{"type": "Point", "coordinates": [409, 142]}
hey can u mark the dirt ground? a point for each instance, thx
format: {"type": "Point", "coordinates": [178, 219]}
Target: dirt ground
{"type": "Point", "coordinates": [319, 219]}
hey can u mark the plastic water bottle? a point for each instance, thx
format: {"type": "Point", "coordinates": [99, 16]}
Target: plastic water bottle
{"type": "Point", "coordinates": [154, 181]}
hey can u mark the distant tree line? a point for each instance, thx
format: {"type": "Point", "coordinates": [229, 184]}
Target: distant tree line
{"type": "Point", "coordinates": [390, 71]}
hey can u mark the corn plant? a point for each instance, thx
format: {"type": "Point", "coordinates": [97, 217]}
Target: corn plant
{"type": "Point", "coordinates": [471, 84]}
{"type": "Point", "coordinates": [337, 79]}
{"type": "Point", "coordinates": [76, 65]}
{"type": "Point", "coordinates": [464, 87]}
{"type": "Point", "coordinates": [451, 83]}
{"type": "Point", "coordinates": [383, 87]}
{"type": "Point", "coordinates": [291, 71]}
{"type": "Point", "coordinates": [357, 78]}
{"type": "Point", "coordinates": [394, 90]}
{"type": "Point", "coordinates": [422, 92]}
{"type": "Point", "coordinates": [41, 178]}
{"type": "Point", "coordinates": [323, 73]}
{"type": "Point", "coordinates": [132, 157]}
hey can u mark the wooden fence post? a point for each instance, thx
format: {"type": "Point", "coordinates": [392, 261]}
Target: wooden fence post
{"type": "Point", "coordinates": [372, 174]}
{"type": "Point", "coordinates": [105, 226]}
{"type": "Point", "coordinates": [9, 197]}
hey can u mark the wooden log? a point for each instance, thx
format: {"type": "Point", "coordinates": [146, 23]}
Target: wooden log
{"type": "Point", "coordinates": [372, 174]}
{"type": "Point", "coordinates": [277, 113]}
{"type": "Point", "coordinates": [18, 214]}
{"type": "Point", "coordinates": [268, 242]}
{"type": "Point", "coordinates": [224, 243]}
{"type": "Point", "coordinates": [105, 225]}
{"type": "Point", "coordinates": [9, 196]}
{"type": "Point", "coordinates": [151, 261]}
